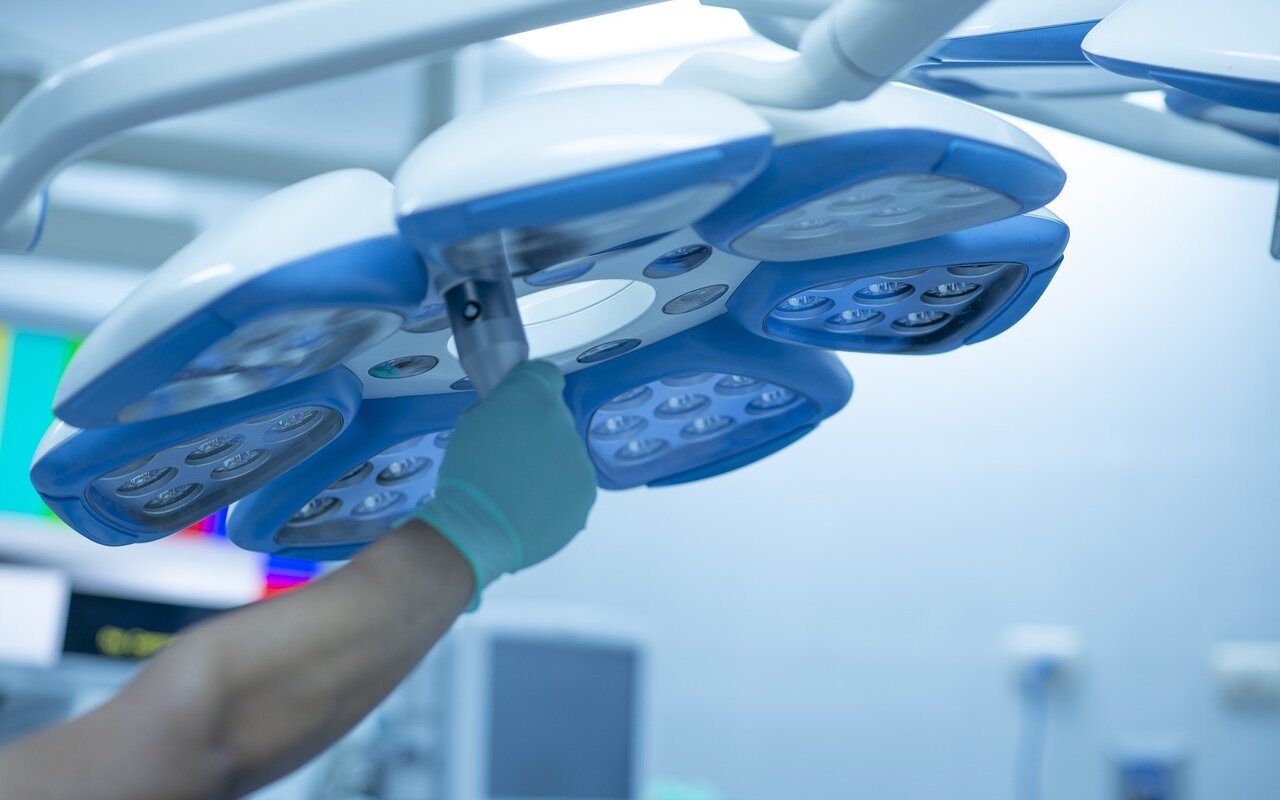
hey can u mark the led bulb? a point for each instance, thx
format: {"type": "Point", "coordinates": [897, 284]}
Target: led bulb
{"type": "Point", "coordinates": [377, 504]}
{"type": "Point", "coordinates": [629, 399]}
{"type": "Point", "coordinates": [854, 319]}
{"type": "Point", "coordinates": [619, 426]}
{"type": "Point", "coordinates": [240, 463]}
{"type": "Point", "coordinates": [314, 509]}
{"type": "Point", "coordinates": [168, 498]}
{"type": "Point", "coordinates": [145, 481]}
{"type": "Point", "coordinates": [706, 426]}
{"type": "Point", "coordinates": [883, 291]}
{"type": "Point", "coordinates": [213, 447]}
{"type": "Point", "coordinates": [771, 400]}
{"type": "Point", "coordinates": [293, 421]}
{"type": "Point", "coordinates": [920, 320]}
{"type": "Point", "coordinates": [813, 228]}
{"type": "Point", "coordinates": [640, 449]}
{"type": "Point", "coordinates": [804, 305]}
{"type": "Point", "coordinates": [352, 477]}
{"type": "Point", "coordinates": [950, 292]}
{"type": "Point", "coordinates": [682, 404]}
{"type": "Point", "coordinates": [737, 384]}
{"type": "Point", "coordinates": [859, 201]}
{"type": "Point", "coordinates": [403, 470]}
{"type": "Point", "coordinates": [894, 215]}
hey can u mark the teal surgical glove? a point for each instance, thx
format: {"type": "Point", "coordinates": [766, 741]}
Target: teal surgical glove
{"type": "Point", "coordinates": [516, 483]}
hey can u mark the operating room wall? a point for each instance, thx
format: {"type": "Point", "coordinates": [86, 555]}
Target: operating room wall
{"type": "Point", "coordinates": [827, 623]}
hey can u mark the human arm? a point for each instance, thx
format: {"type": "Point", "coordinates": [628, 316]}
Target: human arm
{"type": "Point", "coordinates": [249, 696]}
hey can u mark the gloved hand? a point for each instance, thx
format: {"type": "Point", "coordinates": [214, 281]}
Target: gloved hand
{"type": "Point", "coordinates": [516, 483]}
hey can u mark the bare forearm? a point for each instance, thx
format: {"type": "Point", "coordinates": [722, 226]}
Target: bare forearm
{"type": "Point", "coordinates": [245, 698]}
{"type": "Point", "coordinates": [299, 671]}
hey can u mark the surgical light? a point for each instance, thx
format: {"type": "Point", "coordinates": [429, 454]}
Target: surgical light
{"type": "Point", "coordinates": [303, 280]}
{"type": "Point", "coordinates": [902, 166]}
{"type": "Point", "coordinates": [142, 481]}
{"type": "Point", "coordinates": [924, 297]}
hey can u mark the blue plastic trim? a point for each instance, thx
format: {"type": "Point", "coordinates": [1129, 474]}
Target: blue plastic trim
{"type": "Point", "coordinates": [720, 345]}
{"type": "Point", "coordinates": [1037, 242]}
{"type": "Point", "coordinates": [1056, 44]}
{"type": "Point", "coordinates": [434, 230]}
{"type": "Point", "coordinates": [64, 473]}
{"type": "Point", "coordinates": [1255, 95]}
{"type": "Point", "coordinates": [376, 273]}
{"type": "Point", "coordinates": [799, 172]}
{"type": "Point", "coordinates": [1197, 108]}
{"type": "Point", "coordinates": [379, 424]}
{"type": "Point", "coordinates": [1018, 306]}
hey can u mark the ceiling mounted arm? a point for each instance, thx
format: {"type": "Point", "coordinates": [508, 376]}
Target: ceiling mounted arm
{"type": "Point", "coordinates": [848, 52]}
{"type": "Point", "coordinates": [231, 58]}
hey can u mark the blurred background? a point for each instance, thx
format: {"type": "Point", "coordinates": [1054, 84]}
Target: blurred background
{"type": "Point", "coordinates": [859, 615]}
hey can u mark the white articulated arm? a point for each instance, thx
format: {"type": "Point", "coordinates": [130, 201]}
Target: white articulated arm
{"type": "Point", "coordinates": [1163, 135]}
{"type": "Point", "coordinates": [242, 55]}
{"type": "Point", "coordinates": [848, 52]}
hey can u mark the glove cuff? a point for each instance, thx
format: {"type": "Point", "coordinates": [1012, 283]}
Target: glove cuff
{"type": "Point", "coordinates": [477, 528]}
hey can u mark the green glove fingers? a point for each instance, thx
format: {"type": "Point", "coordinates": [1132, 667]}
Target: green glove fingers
{"type": "Point", "coordinates": [516, 484]}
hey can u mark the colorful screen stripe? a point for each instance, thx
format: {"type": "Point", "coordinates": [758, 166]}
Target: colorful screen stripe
{"type": "Point", "coordinates": [31, 364]}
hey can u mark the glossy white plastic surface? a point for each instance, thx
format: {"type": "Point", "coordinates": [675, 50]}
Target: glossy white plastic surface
{"type": "Point", "coordinates": [896, 107]}
{"type": "Point", "coordinates": [562, 134]}
{"type": "Point", "coordinates": [1230, 38]}
{"type": "Point", "coordinates": [319, 214]}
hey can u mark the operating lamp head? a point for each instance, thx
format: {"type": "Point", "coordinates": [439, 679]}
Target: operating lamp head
{"type": "Point", "coordinates": [902, 166]}
{"type": "Point", "coordinates": [300, 282]}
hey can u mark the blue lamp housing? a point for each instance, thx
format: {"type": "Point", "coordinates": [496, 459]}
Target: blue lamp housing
{"type": "Point", "coordinates": [378, 471]}
{"type": "Point", "coordinates": [701, 403]}
{"type": "Point", "coordinates": [304, 279]}
{"type": "Point", "coordinates": [905, 166]}
{"type": "Point", "coordinates": [919, 298]}
{"type": "Point", "coordinates": [142, 481]}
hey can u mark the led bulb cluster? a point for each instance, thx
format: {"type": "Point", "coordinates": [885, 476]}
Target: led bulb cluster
{"type": "Point", "coordinates": [899, 310]}
{"type": "Point", "coordinates": [877, 213]}
{"type": "Point", "coordinates": [365, 501]}
{"type": "Point", "coordinates": [685, 415]}
{"type": "Point", "coordinates": [197, 477]}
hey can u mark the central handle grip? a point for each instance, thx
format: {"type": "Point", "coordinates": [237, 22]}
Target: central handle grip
{"type": "Point", "coordinates": [487, 329]}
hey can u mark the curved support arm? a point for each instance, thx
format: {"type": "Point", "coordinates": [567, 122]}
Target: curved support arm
{"type": "Point", "coordinates": [242, 55]}
{"type": "Point", "coordinates": [21, 233]}
{"type": "Point", "coordinates": [848, 52]}
{"type": "Point", "coordinates": [1115, 121]}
